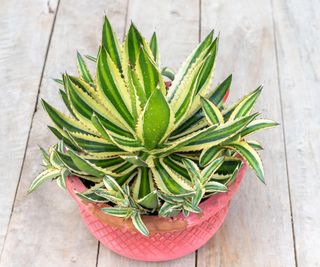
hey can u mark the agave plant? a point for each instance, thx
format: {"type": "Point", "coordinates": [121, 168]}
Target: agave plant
{"type": "Point", "coordinates": [150, 141]}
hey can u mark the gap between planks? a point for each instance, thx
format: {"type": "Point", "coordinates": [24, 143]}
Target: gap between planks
{"type": "Point", "coordinates": [283, 131]}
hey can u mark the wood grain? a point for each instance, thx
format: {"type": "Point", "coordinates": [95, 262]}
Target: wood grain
{"type": "Point", "coordinates": [23, 46]}
{"type": "Point", "coordinates": [177, 27]}
{"type": "Point", "coordinates": [46, 228]}
{"type": "Point", "coordinates": [258, 230]}
{"type": "Point", "coordinates": [270, 42]}
{"type": "Point", "coordinates": [297, 33]}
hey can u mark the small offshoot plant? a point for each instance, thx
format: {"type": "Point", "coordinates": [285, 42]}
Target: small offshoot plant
{"type": "Point", "coordinates": [147, 141]}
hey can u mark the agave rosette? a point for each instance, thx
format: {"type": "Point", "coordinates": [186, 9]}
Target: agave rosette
{"type": "Point", "coordinates": [145, 147]}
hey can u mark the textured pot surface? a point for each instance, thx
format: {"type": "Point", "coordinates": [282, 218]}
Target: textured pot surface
{"type": "Point", "coordinates": [169, 238]}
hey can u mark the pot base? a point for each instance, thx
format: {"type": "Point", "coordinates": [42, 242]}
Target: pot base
{"type": "Point", "coordinates": [156, 247]}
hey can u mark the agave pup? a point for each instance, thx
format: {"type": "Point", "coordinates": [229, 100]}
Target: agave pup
{"type": "Point", "coordinates": [147, 141]}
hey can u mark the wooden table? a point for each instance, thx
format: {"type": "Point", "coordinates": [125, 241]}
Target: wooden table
{"type": "Point", "coordinates": [271, 42]}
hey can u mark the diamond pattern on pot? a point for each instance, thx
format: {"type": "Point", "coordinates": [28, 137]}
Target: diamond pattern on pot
{"type": "Point", "coordinates": [160, 245]}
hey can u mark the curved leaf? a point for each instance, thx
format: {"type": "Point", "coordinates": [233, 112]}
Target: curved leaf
{"type": "Point", "coordinates": [83, 69]}
{"type": "Point", "coordinates": [46, 175]}
{"type": "Point", "coordinates": [207, 155]}
{"type": "Point", "coordinates": [111, 43]}
{"type": "Point", "coordinates": [250, 155]}
{"type": "Point", "coordinates": [195, 55]}
{"type": "Point", "coordinates": [154, 48]}
{"type": "Point", "coordinates": [211, 112]}
{"type": "Point", "coordinates": [139, 224]}
{"type": "Point", "coordinates": [257, 125]}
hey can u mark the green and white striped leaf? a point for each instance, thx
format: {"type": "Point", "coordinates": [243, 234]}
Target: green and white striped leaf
{"type": "Point", "coordinates": [246, 105]}
{"type": "Point", "coordinates": [86, 106]}
{"type": "Point", "coordinates": [182, 100]}
{"type": "Point", "coordinates": [188, 206]}
{"type": "Point", "coordinates": [126, 176]}
{"type": "Point", "coordinates": [135, 160]}
{"type": "Point", "coordinates": [91, 197]}
{"type": "Point", "coordinates": [210, 136]}
{"type": "Point", "coordinates": [134, 41]}
{"type": "Point", "coordinates": [150, 201]}
{"type": "Point", "coordinates": [166, 182]}
{"type": "Point", "coordinates": [208, 172]}
{"type": "Point", "coordinates": [169, 209]}
{"type": "Point", "coordinates": [197, 54]}
{"type": "Point", "coordinates": [212, 113]}
{"type": "Point", "coordinates": [112, 89]}
{"type": "Point", "coordinates": [143, 184]}
{"type": "Point", "coordinates": [91, 144]}
{"type": "Point", "coordinates": [229, 165]}
{"type": "Point", "coordinates": [111, 184]}
{"type": "Point", "coordinates": [220, 177]}
{"type": "Point", "coordinates": [139, 224]}
{"type": "Point", "coordinates": [213, 186]}
{"type": "Point", "coordinates": [63, 121]}
{"type": "Point", "coordinates": [122, 212]}
{"type": "Point", "coordinates": [203, 80]}
{"type": "Point", "coordinates": [210, 154]}
{"type": "Point", "coordinates": [216, 97]}
{"type": "Point", "coordinates": [46, 175]}
{"type": "Point", "coordinates": [61, 180]}
{"type": "Point", "coordinates": [169, 73]}
{"type": "Point", "coordinates": [45, 156]}
{"type": "Point", "coordinates": [154, 48]}
{"type": "Point", "coordinates": [58, 81]}
{"type": "Point", "coordinates": [132, 44]}
{"type": "Point", "coordinates": [110, 42]}
{"type": "Point", "coordinates": [85, 87]}
{"type": "Point", "coordinates": [55, 161]}
{"type": "Point", "coordinates": [254, 144]}
{"type": "Point", "coordinates": [83, 69]}
{"type": "Point", "coordinates": [218, 94]}
{"type": "Point", "coordinates": [258, 125]}
{"type": "Point", "coordinates": [79, 106]}
{"type": "Point", "coordinates": [86, 166]}
{"type": "Point", "coordinates": [92, 58]}
{"type": "Point", "coordinates": [148, 73]}
{"type": "Point", "coordinates": [177, 166]}
{"type": "Point", "coordinates": [68, 163]}
{"type": "Point", "coordinates": [175, 199]}
{"type": "Point", "coordinates": [200, 191]}
{"type": "Point", "coordinates": [216, 135]}
{"type": "Point", "coordinates": [108, 163]}
{"type": "Point", "coordinates": [65, 99]}
{"type": "Point", "coordinates": [138, 90]}
{"type": "Point", "coordinates": [192, 168]}
{"type": "Point", "coordinates": [112, 196]}
{"type": "Point", "coordinates": [250, 155]}
{"type": "Point", "coordinates": [251, 98]}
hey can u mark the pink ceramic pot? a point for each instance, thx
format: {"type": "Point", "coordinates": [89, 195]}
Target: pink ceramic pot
{"type": "Point", "coordinates": [169, 238]}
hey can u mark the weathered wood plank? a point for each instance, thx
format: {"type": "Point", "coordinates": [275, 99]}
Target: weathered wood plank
{"type": "Point", "coordinates": [297, 34]}
{"type": "Point", "coordinates": [177, 27]}
{"type": "Point", "coordinates": [46, 228]}
{"type": "Point", "coordinates": [258, 229]}
{"type": "Point", "coordinates": [23, 45]}
{"type": "Point", "coordinates": [108, 258]}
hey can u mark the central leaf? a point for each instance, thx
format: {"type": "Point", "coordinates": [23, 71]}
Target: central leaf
{"type": "Point", "coordinates": [156, 119]}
